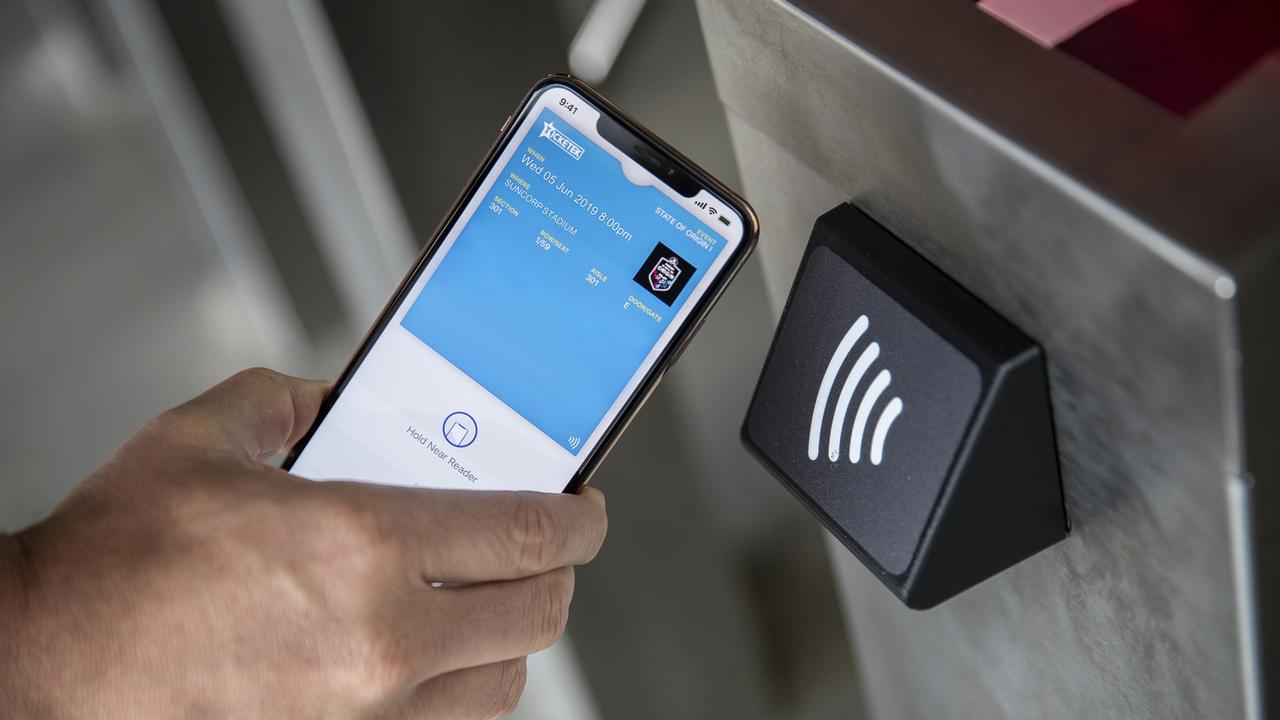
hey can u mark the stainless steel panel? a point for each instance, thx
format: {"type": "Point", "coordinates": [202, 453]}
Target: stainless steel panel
{"type": "Point", "coordinates": [1081, 225]}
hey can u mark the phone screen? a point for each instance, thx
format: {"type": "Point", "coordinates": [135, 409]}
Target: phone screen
{"type": "Point", "coordinates": [567, 273]}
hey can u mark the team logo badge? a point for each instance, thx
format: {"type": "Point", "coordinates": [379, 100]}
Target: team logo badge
{"type": "Point", "coordinates": [664, 274]}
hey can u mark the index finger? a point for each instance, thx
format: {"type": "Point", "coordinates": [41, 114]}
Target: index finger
{"type": "Point", "coordinates": [464, 536]}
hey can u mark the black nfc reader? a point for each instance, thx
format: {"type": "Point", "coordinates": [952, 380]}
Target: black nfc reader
{"type": "Point", "coordinates": [907, 415]}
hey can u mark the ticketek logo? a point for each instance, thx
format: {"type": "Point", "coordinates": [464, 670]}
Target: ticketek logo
{"type": "Point", "coordinates": [560, 140]}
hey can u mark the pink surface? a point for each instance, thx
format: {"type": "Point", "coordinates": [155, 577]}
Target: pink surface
{"type": "Point", "coordinates": [1049, 22]}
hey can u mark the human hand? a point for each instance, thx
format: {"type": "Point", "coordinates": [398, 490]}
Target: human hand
{"type": "Point", "coordinates": [185, 578]}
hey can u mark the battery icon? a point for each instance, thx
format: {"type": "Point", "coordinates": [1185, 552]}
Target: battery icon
{"type": "Point", "coordinates": [724, 220]}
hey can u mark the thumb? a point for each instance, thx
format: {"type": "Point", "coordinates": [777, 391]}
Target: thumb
{"type": "Point", "coordinates": [256, 412]}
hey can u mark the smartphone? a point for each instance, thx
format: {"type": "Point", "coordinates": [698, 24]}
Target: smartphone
{"type": "Point", "coordinates": [570, 274]}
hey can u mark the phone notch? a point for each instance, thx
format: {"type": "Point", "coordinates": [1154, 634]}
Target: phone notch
{"type": "Point", "coordinates": [651, 158]}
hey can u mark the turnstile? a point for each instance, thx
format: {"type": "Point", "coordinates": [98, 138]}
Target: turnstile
{"type": "Point", "coordinates": [1141, 249]}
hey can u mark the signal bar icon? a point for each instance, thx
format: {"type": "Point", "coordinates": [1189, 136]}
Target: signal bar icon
{"type": "Point", "coordinates": [879, 384]}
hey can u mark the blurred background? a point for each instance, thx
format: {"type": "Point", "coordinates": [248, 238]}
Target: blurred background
{"type": "Point", "coordinates": [190, 187]}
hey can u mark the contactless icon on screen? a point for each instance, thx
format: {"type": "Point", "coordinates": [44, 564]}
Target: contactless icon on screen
{"type": "Point", "coordinates": [459, 429]}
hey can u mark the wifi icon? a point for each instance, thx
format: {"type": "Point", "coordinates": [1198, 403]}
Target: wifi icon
{"type": "Point", "coordinates": [844, 400]}
{"type": "Point", "coordinates": [574, 442]}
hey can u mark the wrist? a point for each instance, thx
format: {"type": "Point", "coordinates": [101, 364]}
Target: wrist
{"type": "Point", "coordinates": [16, 575]}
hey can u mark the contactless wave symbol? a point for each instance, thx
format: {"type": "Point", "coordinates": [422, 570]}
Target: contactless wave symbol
{"type": "Point", "coordinates": [888, 414]}
{"type": "Point", "coordinates": [574, 441]}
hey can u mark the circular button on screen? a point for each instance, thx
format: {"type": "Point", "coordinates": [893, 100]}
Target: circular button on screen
{"type": "Point", "coordinates": [459, 429]}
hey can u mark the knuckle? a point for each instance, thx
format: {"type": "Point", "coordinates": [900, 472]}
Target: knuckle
{"type": "Point", "coordinates": [256, 377]}
{"type": "Point", "coordinates": [269, 386]}
{"type": "Point", "coordinates": [257, 382]}
{"type": "Point", "coordinates": [536, 535]}
{"type": "Point", "coordinates": [554, 595]}
{"type": "Point", "coordinates": [176, 427]}
{"type": "Point", "coordinates": [382, 662]}
{"type": "Point", "coordinates": [511, 683]}
{"type": "Point", "coordinates": [336, 517]}
{"type": "Point", "coordinates": [346, 533]}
